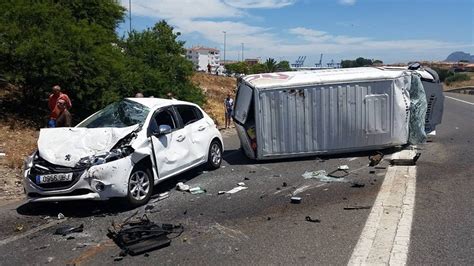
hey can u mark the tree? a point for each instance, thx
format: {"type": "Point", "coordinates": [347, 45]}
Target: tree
{"type": "Point", "coordinates": [283, 66]}
{"type": "Point", "coordinates": [270, 65]}
{"type": "Point", "coordinates": [359, 62]}
{"type": "Point", "coordinates": [74, 44]}
{"type": "Point", "coordinates": [155, 65]}
{"type": "Point", "coordinates": [66, 42]}
{"type": "Point", "coordinates": [238, 68]}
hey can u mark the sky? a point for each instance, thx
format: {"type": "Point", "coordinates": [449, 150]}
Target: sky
{"type": "Point", "coordinates": [394, 31]}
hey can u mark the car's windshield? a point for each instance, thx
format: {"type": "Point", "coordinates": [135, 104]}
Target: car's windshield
{"type": "Point", "coordinates": [120, 114]}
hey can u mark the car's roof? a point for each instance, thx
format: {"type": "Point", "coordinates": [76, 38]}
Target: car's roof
{"type": "Point", "coordinates": [155, 103]}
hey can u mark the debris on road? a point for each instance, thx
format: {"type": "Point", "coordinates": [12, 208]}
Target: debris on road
{"type": "Point", "coordinates": [358, 208]}
{"type": "Point", "coordinates": [357, 185]}
{"type": "Point", "coordinates": [2, 154]}
{"type": "Point", "coordinates": [372, 172]}
{"type": "Point", "coordinates": [406, 162]}
{"type": "Point", "coordinates": [69, 229]}
{"type": "Point", "coordinates": [182, 187]}
{"type": "Point", "coordinates": [322, 176]}
{"type": "Point", "coordinates": [285, 184]}
{"type": "Point", "coordinates": [61, 216]}
{"type": "Point", "coordinates": [242, 184]}
{"type": "Point", "coordinates": [221, 192]}
{"type": "Point", "coordinates": [19, 227]}
{"type": "Point", "coordinates": [296, 200]}
{"type": "Point", "coordinates": [197, 190]}
{"type": "Point", "coordinates": [311, 220]}
{"type": "Point", "coordinates": [375, 159]}
{"type": "Point", "coordinates": [160, 196]}
{"type": "Point", "coordinates": [142, 235]}
{"type": "Point", "coordinates": [343, 167]}
{"type": "Point", "coordinates": [236, 189]}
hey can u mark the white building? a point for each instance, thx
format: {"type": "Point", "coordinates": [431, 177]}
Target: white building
{"type": "Point", "coordinates": [202, 56]}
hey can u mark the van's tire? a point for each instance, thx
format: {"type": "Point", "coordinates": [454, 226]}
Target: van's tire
{"type": "Point", "coordinates": [140, 186]}
{"type": "Point", "coordinates": [214, 158]}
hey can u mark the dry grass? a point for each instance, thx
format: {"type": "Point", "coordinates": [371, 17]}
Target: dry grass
{"type": "Point", "coordinates": [216, 89]}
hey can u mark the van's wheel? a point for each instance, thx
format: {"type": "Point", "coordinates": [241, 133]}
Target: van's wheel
{"type": "Point", "coordinates": [215, 155]}
{"type": "Point", "coordinates": [140, 186]}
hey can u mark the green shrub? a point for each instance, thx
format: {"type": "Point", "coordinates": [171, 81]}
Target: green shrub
{"type": "Point", "coordinates": [457, 77]}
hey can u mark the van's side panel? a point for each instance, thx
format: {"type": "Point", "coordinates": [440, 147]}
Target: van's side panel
{"type": "Point", "coordinates": [331, 118]}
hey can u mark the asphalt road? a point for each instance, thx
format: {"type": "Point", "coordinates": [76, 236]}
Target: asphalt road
{"type": "Point", "coordinates": [254, 226]}
{"type": "Point", "coordinates": [443, 226]}
{"type": "Point", "coordinates": [260, 225]}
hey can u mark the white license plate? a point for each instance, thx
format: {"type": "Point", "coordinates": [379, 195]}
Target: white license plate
{"type": "Point", "coordinates": [52, 178]}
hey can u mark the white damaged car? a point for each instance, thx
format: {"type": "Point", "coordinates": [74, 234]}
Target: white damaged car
{"type": "Point", "coordinates": [122, 150]}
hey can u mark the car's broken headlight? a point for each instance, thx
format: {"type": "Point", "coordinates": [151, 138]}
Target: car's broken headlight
{"type": "Point", "coordinates": [106, 157]}
{"type": "Point", "coordinates": [29, 161]}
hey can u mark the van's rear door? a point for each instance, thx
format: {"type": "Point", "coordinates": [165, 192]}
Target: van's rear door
{"type": "Point", "coordinates": [242, 103]}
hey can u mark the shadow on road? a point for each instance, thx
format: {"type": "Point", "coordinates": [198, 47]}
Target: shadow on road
{"type": "Point", "coordinates": [237, 156]}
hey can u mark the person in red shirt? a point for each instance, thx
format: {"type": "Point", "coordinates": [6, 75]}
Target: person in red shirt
{"type": "Point", "coordinates": [53, 104]}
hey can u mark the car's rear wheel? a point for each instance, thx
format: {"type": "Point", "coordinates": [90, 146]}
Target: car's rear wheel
{"type": "Point", "coordinates": [215, 155]}
{"type": "Point", "coordinates": [140, 186]}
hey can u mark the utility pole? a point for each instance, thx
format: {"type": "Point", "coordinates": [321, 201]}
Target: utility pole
{"type": "Point", "coordinates": [130, 15]}
{"type": "Point", "coordinates": [224, 45]}
{"type": "Point", "coordinates": [243, 58]}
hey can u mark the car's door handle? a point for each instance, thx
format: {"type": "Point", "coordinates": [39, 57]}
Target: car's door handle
{"type": "Point", "coordinates": [201, 128]}
{"type": "Point", "coordinates": [180, 138]}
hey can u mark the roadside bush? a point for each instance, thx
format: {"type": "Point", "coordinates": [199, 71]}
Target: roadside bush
{"type": "Point", "coordinates": [457, 77]}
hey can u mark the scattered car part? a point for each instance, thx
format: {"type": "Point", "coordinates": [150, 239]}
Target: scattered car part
{"type": "Point", "coordinates": [357, 185]}
{"type": "Point", "coordinates": [296, 200]}
{"type": "Point", "coordinates": [406, 162]}
{"type": "Point", "coordinates": [182, 187]}
{"type": "Point", "coordinates": [375, 159]}
{"type": "Point", "coordinates": [61, 216]}
{"type": "Point", "coordinates": [309, 219]}
{"type": "Point", "coordinates": [236, 189]}
{"type": "Point", "coordinates": [197, 190]}
{"type": "Point", "coordinates": [69, 229]}
{"type": "Point", "coordinates": [160, 196]}
{"type": "Point", "coordinates": [143, 235]}
{"type": "Point", "coordinates": [322, 176]}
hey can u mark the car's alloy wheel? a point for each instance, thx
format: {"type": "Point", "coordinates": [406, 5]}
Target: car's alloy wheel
{"type": "Point", "coordinates": [215, 155]}
{"type": "Point", "coordinates": [140, 186]}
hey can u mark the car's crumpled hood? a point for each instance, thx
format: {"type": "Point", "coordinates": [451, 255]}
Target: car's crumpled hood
{"type": "Point", "coordinates": [66, 146]}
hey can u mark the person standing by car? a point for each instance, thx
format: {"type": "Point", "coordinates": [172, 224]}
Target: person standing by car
{"type": "Point", "coordinates": [229, 108]}
{"type": "Point", "coordinates": [64, 117]}
{"type": "Point", "coordinates": [53, 104]}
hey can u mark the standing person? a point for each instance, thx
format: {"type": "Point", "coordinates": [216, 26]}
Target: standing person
{"type": "Point", "coordinates": [53, 104]}
{"type": "Point", "coordinates": [229, 108]}
{"type": "Point", "coordinates": [209, 68]}
{"type": "Point", "coordinates": [64, 117]}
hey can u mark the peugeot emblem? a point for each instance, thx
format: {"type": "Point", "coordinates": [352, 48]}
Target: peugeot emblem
{"type": "Point", "coordinates": [68, 157]}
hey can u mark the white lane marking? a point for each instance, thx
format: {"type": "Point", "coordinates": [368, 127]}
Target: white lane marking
{"type": "Point", "coordinates": [385, 238]}
{"type": "Point", "coordinates": [456, 99]}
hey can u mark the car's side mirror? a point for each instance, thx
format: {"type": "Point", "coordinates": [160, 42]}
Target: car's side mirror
{"type": "Point", "coordinates": [163, 130]}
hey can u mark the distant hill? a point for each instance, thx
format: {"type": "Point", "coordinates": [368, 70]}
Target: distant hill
{"type": "Point", "coordinates": [458, 56]}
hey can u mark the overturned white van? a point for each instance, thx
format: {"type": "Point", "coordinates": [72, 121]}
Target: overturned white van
{"type": "Point", "coordinates": [291, 114]}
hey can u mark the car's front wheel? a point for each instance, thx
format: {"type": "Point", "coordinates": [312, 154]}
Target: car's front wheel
{"type": "Point", "coordinates": [140, 186]}
{"type": "Point", "coordinates": [215, 155]}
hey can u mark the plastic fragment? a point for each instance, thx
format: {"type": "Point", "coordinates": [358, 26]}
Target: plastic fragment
{"type": "Point", "coordinates": [309, 219]}
{"type": "Point", "coordinates": [296, 200]}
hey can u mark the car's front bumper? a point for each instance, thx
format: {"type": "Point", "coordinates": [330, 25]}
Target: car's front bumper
{"type": "Point", "coordinates": [100, 182]}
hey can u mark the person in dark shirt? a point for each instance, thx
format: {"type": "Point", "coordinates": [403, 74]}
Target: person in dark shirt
{"type": "Point", "coordinates": [64, 117]}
